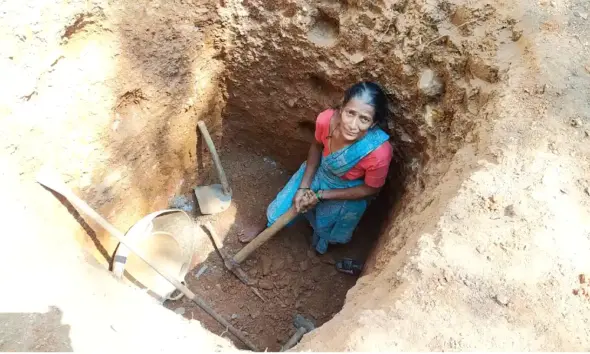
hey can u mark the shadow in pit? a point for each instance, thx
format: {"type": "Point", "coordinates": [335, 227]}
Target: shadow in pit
{"type": "Point", "coordinates": [35, 332]}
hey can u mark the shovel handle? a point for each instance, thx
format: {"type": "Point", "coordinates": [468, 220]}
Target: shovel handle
{"type": "Point", "coordinates": [216, 160]}
{"type": "Point", "coordinates": [265, 235]}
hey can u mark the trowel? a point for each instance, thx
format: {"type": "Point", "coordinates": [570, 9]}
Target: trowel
{"type": "Point", "coordinates": [215, 198]}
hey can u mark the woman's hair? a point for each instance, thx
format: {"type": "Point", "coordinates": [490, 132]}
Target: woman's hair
{"type": "Point", "coordinates": [373, 95]}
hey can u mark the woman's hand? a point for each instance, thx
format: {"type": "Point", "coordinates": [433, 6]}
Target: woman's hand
{"type": "Point", "coordinates": [305, 200]}
{"type": "Point", "coordinates": [299, 197]}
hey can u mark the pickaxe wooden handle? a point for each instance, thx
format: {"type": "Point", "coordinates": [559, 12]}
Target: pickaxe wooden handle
{"type": "Point", "coordinates": [265, 235]}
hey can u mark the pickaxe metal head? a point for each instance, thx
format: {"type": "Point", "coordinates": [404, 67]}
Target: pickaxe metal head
{"type": "Point", "coordinates": [302, 322]}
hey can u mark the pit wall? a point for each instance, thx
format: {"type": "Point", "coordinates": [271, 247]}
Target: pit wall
{"type": "Point", "coordinates": [489, 247]}
{"type": "Point", "coordinates": [109, 96]}
{"type": "Point", "coordinates": [287, 63]}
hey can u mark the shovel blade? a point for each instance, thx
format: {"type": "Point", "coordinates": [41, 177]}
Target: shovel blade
{"type": "Point", "coordinates": [211, 199]}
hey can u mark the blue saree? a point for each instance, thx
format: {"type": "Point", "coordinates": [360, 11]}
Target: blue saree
{"type": "Point", "coordinates": [333, 221]}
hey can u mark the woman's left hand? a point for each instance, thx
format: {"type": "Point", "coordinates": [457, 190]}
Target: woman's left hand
{"type": "Point", "coordinates": [309, 201]}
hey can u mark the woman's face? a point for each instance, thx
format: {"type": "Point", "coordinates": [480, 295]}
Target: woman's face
{"type": "Point", "coordinates": [356, 119]}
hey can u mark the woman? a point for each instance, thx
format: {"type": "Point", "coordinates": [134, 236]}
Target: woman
{"type": "Point", "coordinates": [346, 165]}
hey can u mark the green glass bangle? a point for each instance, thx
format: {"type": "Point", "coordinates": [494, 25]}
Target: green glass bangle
{"type": "Point", "coordinates": [319, 195]}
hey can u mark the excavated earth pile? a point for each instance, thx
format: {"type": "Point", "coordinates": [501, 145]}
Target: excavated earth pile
{"type": "Point", "coordinates": [483, 228]}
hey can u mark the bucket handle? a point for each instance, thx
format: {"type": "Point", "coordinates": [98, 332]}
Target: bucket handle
{"type": "Point", "coordinates": [177, 297]}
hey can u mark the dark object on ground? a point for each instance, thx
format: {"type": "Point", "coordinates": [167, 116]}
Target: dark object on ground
{"type": "Point", "coordinates": [303, 326]}
{"type": "Point", "coordinates": [349, 266]}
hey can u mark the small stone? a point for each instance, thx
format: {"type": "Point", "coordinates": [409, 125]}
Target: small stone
{"type": "Point", "coordinates": [516, 34]}
{"type": "Point", "coordinates": [575, 122]}
{"type": "Point", "coordinates": [234, 316]}
{"type": "Point", "coordinates": [356, 58]}
{"type": "Point", "coordinates": [253, 272]}
{"type": "Point", "coordinates": [180, 310]}
{"type": "Point", "coordinates": [509, 211]}
{"type": "Point", "coordinates": [218, 286]}
{"type": "Point", "coordinates": [315, 261]}
{"type": "Point", "coordinates": [582, 278]}
{"type": "Point", "coordinates": [266, 264]}
{"type": "Point", "coordinates": [291, 102]}
{"type": "Point", "coordinates": [282, 284]}
{"type": "Point", "coordinates": [429, 84]}
{"type": "Point", "coordinates": [304, 265]}
{"type": "Point", "coordinates": [255, 314]}
{"type": "Point", "coordinates": [502, 299]}
{"type": "Point", "coordinates": [575, 291]}
{"type": "Point", "coordinates": [278, 264]}
{"type": "Point", "coordinates": [298, 304]}
{"type": "Point", "coordinates": [265, 284]}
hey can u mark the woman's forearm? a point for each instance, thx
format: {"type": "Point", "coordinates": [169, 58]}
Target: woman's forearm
{"type": "Point", "coordinates": [353, 193]}
{"type": "Point", "coordinates": [313, 161]}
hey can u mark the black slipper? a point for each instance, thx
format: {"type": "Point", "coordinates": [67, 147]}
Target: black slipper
{"type": "Point", "coordinates": [349, 266]}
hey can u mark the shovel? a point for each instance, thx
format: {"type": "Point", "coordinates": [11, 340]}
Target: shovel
{"type": "Point", "coordinates": [215, 198]}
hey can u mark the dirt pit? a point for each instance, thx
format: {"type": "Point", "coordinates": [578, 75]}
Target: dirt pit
{"type": "Point", "coordinates": [483, 251]}
{"type": "Point", "coordinates": [291, 276]}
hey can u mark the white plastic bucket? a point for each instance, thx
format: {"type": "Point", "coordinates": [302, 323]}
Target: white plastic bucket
{"type": "Point", "coordinates": [168, 239]}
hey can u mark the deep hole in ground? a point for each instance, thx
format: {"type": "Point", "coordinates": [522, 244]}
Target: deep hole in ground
{"type": "Point", "coordinates": [273, 96]}
{"type": "Point", "coordinates": [110, 93]}
{"type": "Point", "coordinates": [290, 274]}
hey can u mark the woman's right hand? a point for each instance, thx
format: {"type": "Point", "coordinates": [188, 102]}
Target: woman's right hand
{"type": "Point", "coordinates": [303, 200]}
{"type": "Point", "coordinates": [300, 197]}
